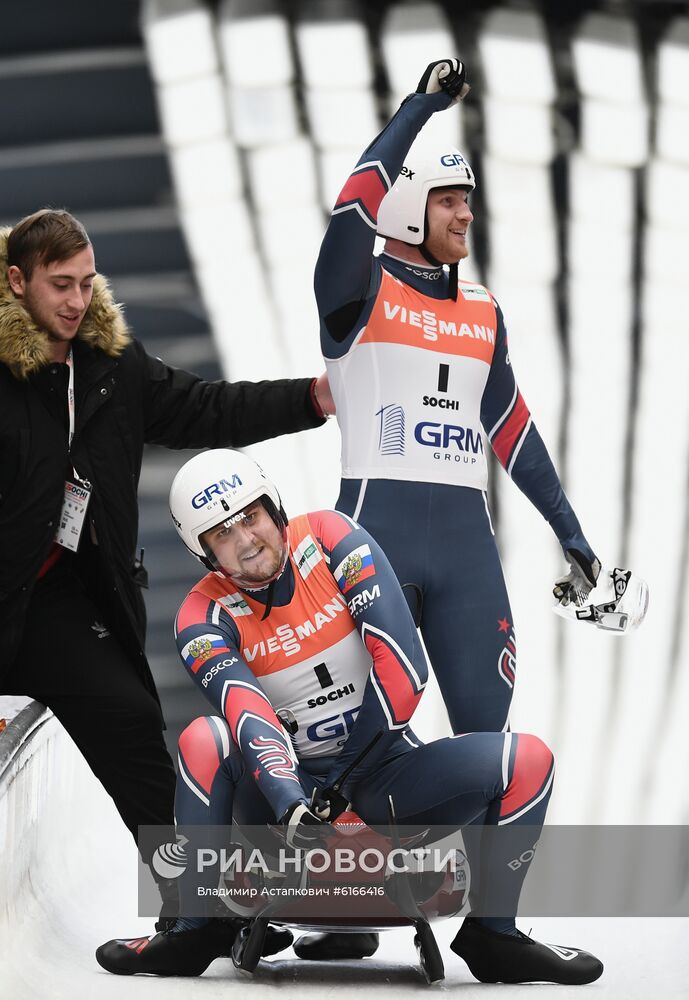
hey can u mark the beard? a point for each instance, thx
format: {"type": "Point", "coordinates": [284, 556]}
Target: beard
{"type": "Point", "coordinates": [256, 579]}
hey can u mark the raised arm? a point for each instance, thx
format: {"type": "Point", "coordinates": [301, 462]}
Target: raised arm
{"type": "Point", "coordinates": [346, 277]}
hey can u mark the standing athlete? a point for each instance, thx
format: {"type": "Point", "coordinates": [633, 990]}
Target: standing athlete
{"type": "Point", "coordinates": [301, 627]}
{"type": "Point", "coordinates": [419, 367]}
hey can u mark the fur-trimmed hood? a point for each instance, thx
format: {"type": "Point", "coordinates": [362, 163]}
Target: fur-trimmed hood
{"type": "Point", "coordinates": [24, 347]}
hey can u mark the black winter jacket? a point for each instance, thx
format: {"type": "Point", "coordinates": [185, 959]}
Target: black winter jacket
{"type": "Point", "coordinates": [124, 399]}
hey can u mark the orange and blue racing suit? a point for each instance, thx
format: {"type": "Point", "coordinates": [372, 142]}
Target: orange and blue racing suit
{"type": "Point", "coordinates": [423, 384]}
{"type": "Point", "coordinates": [301, 693]}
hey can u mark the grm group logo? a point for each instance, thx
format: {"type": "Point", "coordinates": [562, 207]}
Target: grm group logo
{"type": "Point", "coordinates": [216, 489]}
{"type": "Point", "coordinates": [453, 160]}
{"type": "Point", "coordinates": [451, 442]}
{"type": "Point", "coordinates": [443, 435]}
{"type": "Point", "coordinates": [333, 727]}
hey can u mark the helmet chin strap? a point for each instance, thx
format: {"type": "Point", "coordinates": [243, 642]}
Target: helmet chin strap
{"type": "Point", "coordinates": [271, 584]}
{"type": "Point", "coordinates": [453, 277]}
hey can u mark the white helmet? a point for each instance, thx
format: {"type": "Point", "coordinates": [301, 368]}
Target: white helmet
{"type": "Point", "coordinates": [402, 212]}
{"type": "Point", "coordinates": [213, 487]}
{"type": "Point", "coordinates": [618, 603]}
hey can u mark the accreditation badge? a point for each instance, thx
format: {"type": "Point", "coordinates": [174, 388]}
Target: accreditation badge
{"type": "Point", "coordinates": [72, 515]}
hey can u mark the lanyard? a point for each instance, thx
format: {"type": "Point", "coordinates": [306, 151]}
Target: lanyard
{"type": "Point", "coordinates": [70, 396]}
{"type": "Point", "coordinates": [72, 415]}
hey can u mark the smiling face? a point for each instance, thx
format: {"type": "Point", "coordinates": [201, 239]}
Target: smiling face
{"type": "Point", "coordinates": [249, 546]}
{"type": "Point", "coordinates": [449, 218]}
{"type": "Point", "coordinates": [57, 296]}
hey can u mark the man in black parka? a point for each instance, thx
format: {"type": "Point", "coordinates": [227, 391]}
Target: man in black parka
{"type": "Point", "coordinates": [79, 398]}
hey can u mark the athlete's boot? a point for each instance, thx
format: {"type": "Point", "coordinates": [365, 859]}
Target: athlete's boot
{"type": "Point", "coordinates": [277, 938]}
{"type": "Point", "coordinates": [169, 895]}
{"type": "Point", "coordinates": [335, 946]}
{"type": "Point", "coordinates": [180, 953]}
{"type": "Point", "coordinates": [169, 953]}
{"type": "Point", "coordinates": [507, 958]}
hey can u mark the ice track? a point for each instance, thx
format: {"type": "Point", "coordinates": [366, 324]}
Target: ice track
{"type": "Point", "coordinates": [68, 883]}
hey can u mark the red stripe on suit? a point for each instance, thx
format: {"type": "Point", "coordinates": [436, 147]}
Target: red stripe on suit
{"type": "Point", "coordinates": [532, 763]}
{"type": "Point", "coordinates": [367, 187]}
{"type": "Point", "coordinates": [506, 438]}
{"type": "Point", "coordinates": [329, 527]}
{"type": "Point", "coordinates": [193, 610]}
{"type": "Point", "coordinates": [199, 752]}
{"type": "Point", "coordinates": [393, 678]}
{"type": "Point", "coordinates": [240, 700]}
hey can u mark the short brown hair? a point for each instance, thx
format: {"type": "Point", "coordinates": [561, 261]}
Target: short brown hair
{"type": "Point", "coordinates": [44, 237]}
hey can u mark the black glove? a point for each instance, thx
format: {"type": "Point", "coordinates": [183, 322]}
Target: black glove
{"type": "Point", "coordinates": [328, 804]}
{"type": "Point", "coordinates": [576, 586]}
{"type": "Point", "coordinates": [445, 74]}
{"type": "Point", "coordinates": [304, 829]}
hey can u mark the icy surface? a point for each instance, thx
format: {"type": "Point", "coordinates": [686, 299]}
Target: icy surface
{"type": "Point", "coordinates": [79, 889]}
{"type": "Point", "coordinates": [55, 939]}
{"type": "Point", "coordinates": [11, 705]}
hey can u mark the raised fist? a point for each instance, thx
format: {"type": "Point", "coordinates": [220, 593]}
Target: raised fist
{"type": "Point", "coordinates": [447, 75]}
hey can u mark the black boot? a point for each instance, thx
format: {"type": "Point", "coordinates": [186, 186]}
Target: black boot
{"type": "Point", "coordinates": [276, 939]}
{"type": "Point", "coordinates": [506, 958]}
{"type": "Point", "coordinates": [335, 946]}
{"type": "Point", "coordinates": [168, 889]}
{"type": "Point", "coordinates": [185, 953]}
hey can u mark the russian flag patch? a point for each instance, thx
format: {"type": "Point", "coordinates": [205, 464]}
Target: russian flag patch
{"type": "Point", "coordinates": [357, 566]}
{"type": "Point", "coordinates": [201, 648]}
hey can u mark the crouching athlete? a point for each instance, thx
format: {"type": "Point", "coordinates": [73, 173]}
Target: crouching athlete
{"type": "Point", "coordinates": [291, 611]}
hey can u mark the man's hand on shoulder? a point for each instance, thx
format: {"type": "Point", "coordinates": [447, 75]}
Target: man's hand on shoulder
{"type": "Point", "coordinates": [448, 75]}
{"type": "Point", "coordinates": [322, 397]}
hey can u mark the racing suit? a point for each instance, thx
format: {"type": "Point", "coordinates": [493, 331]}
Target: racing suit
{"type": "Point", "coordinates": [336, 662]}
{"type": "Point", "coordinates": [422, 384]}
